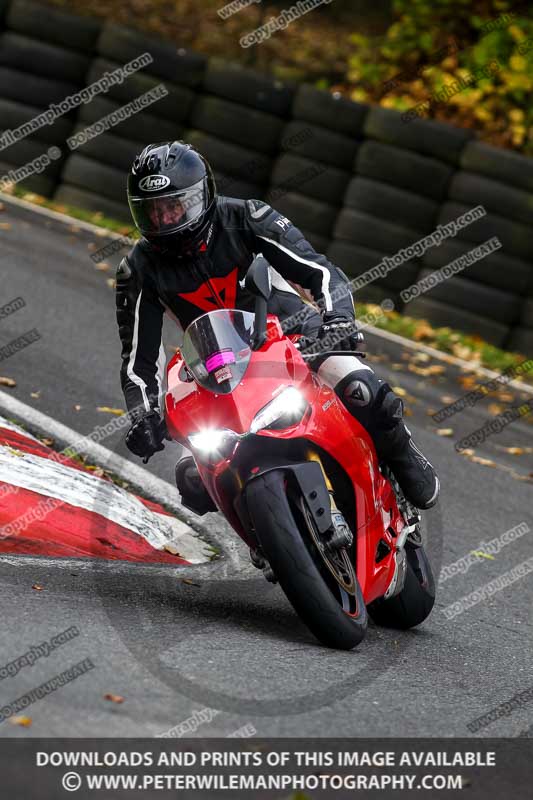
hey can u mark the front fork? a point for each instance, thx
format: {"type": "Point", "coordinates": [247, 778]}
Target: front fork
{"type": "Point", "coordinates": [335, 536]}
{"type": "Point", "coordinates": [339, 534]}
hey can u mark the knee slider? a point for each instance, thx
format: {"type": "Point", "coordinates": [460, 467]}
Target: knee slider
{"type": "Point", "coordinates": [358, 392]}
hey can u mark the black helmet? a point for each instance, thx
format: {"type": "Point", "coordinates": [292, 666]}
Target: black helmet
{"type": "Point", "coordinates": [171, 193]}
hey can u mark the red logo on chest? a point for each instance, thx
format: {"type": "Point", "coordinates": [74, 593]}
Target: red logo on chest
{"type": "Point", "coordinates": [215, 293]}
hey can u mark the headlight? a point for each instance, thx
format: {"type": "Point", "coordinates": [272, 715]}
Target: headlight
{"type": "Point", "coordinates": [211, 442]}
{"type": "Point", "coordinates": [283, 411]}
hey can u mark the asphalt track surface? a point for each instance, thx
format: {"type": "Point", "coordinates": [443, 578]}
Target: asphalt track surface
{"type": "Point", "coordinates": [227, 640]}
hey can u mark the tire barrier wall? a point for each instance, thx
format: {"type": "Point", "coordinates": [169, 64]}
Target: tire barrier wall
{"type": "Point", "coordinates": [356, 179]}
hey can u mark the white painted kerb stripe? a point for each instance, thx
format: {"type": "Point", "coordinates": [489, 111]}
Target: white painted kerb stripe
{"type": "Point", "coordinates": [49, 478]}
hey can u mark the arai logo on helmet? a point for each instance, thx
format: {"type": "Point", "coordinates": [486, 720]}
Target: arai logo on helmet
{"type": "Point", "coordinates": [151, 183]}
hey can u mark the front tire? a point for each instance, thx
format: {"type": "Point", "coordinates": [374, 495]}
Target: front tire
{"type": "Point", "coordinates": [415, 601]}
{"type": "Point", "coordinates": [296, 565]}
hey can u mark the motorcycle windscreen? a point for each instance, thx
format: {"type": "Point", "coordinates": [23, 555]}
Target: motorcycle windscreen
{"type": "Point", "coordinates": [217, 348]}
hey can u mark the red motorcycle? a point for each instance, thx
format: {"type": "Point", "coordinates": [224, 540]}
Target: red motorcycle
{"type": "Point", "coordinates": [295, 475]}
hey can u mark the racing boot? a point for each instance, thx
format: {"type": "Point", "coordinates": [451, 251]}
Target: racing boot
{"type": "Point", "coordinates": [373, 403]}
{"type": "Point", "coordinates": [194, 495]}
{"type": "Point", "coordinates": [416, 476]}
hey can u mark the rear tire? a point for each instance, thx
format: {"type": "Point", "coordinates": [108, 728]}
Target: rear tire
{"type": "Point", "coordinates": [414, 603]}
{"type": "Point", "coordinates": [295, 568]}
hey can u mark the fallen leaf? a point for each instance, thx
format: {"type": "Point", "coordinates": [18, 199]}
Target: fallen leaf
{"type": "Point", "coordinates": [111, 282]}
{"type": "Point", "coordinates": [103, 266]}
{"type": "Point", "coordinates": [77, 408]}
{"type": "Point", "coordinates": [7, 382]}
{"type": "Point", "coordinates": [467, 381]}
{"type": "Point", "coordinates": [504, 397]}
{"type": "Point", "coordinates": [444, 432]}
{"type": "Point", "coordinates": [467, 452]}
{"type": "Point", "coordinates": [424, 371]}
{"type": "Point", "coordinates": [118, 412]}
{"type": "Point", "coordinates": [98, 471]}
{"type": "Point", "coordinates": [37, 587]}
{"type": "Point", "coordinates": [407, 412]}
{"type": "Point", "coordinates": [446, 398]}
{"type": "Point", "coordinates": [170, 548]}
{"type": "Point", "coordinates": [36, 395]}
{"type": "Point", "coordinates": [25, 722]}
{"type": "Point", "coordinates": [421, 357]}
{"type": "Point", "coordinates": [430, 412]}
{"type": "Point", "coordinates": [190, 583]}
{"type": "Point", "coordinates": [496, 408]}
{"type": "Point", "coordinates": [399, 391]}
{"type": "Point", "coordinates": [481, 554]}
{"type": "Point", "coordinates": [422, 331]}
{"type": "Point", "coordinates": [47, 441]}
{"type": "Point", "coordinates": [518, 451]}
{"type": "Point", "coordinates": [2, 207]}
{"type": "Point", "coordinates": [74, 229]}
{"type": "Point", "coordinates": [436, 369]}
{"type": "Point", "coordinates": [485, 461]}
{"type": "Point", "coordinates": [462, 351]}
{"type": "Point", "coordinates": [5, 226]}
{"type": "Point", "coordinates": [91, 247]}
{"type": "Point", "coordinates": [113, 698]}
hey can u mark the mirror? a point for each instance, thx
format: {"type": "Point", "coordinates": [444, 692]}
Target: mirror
{"type": "Point", "coordinates": [257, 280]}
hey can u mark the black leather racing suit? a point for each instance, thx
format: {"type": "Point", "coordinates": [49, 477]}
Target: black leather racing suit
{"type": "Point", "coordinates": [153, 280]}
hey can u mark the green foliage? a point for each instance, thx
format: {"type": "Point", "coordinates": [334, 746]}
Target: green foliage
{"type": "Point", "coordinates": [485, 32]}
{"type": "Point", "coordinates": [464, 346]}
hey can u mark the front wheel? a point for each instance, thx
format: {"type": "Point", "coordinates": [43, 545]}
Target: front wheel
{"type": "Point", "coordinates": [415, 601]}
{"type": "Point", "coordinates": [337, 617]}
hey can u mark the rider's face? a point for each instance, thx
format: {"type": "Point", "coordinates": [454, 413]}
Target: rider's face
{"type": "Point", "coordinates": [166, 212]}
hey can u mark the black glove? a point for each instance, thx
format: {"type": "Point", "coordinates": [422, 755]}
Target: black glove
{"type": "Point", "coordinates": [145, 437]}
{"type": "Point", "coordinates": [339, 331]}
{"type": "Point", "coordinates": [307, 344]}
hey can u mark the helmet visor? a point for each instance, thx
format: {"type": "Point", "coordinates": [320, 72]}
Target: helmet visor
{"type": "Point", "coordinates": [168, 213]}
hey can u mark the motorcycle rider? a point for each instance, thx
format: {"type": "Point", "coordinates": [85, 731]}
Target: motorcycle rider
{"type": "Point", "coordinates": [193, 258]}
